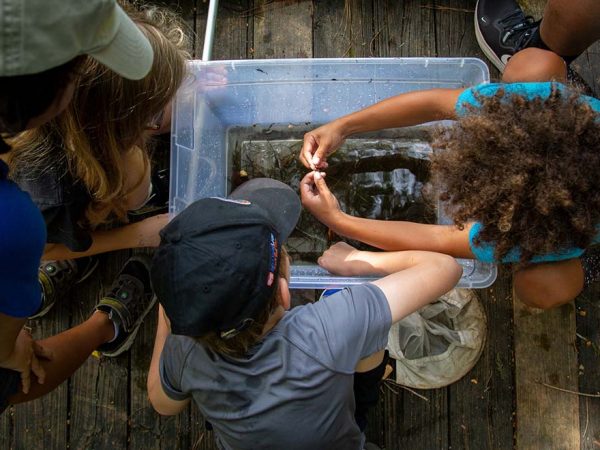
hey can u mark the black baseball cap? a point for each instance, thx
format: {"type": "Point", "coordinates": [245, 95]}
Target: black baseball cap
{"type": "Point", "coordinates": [218, 261]}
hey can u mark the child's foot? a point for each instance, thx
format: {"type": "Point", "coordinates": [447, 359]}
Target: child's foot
{"type": "Point", "coordinates": [158, 202]}
{"type": "Point", "coordinates": [56, 277]}
{"type": "Point", "coordinates": [129, 300]}
{"type": "Point", "coordinates": [502, 29]}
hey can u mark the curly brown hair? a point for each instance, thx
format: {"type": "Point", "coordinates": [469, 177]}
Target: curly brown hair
{"type": "Point", "coordinates": [526, 169]}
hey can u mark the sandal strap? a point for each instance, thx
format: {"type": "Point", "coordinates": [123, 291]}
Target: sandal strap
{"type": "Point", "coordinates": [118, 302]}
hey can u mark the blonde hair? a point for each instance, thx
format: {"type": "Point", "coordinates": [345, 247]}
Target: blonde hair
{"type": "Point", "coordinates": [107, 118]}
{"type": "Point", "coordinates": [239, 344]}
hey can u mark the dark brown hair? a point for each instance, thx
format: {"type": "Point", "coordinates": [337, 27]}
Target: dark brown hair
{"type": "Point", "coordinates": [527, 169]}
{"type": "Point", "coordinates": [24, 97]}
{"type": "Point", "coordinates": [240, 344]}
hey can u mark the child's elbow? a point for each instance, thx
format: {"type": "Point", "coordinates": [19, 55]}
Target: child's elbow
{"type": "Point", "coordinates": [451, 268]}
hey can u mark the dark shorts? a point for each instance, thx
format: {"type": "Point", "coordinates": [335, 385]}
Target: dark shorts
{"type": "Point", "coordinates": [366, 391]}
{"type": "Point", "coordinates": [62, 201]}
{"type": "Point", "coordinates": [10, 382]}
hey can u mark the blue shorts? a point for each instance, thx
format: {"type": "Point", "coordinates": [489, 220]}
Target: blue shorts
{"type": "Point", "coordinates": [10, 385]}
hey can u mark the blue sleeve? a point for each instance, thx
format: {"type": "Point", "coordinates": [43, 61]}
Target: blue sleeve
{"type": "Point", "coordinates": [528, 90]}
{"type": "Point", "coordinates": [22, 241]}
{"type": "Point", "coordinates": [345, 327]}
{"type": "Point", "coordinates": [171, 366]}
{"type": "Point", "coordinates": [485, 251]}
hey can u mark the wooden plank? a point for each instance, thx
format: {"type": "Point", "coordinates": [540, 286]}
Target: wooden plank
{"type": "Point", "coordinates": [99, 389]}
{"type": "Point", "coordinates": [405, 28]}
{"type": "Point", "coordinates": [419, 423]}
{"type": "Point", "coordinates": [545, 353]}
{"type": "Point", "coordinates": [7, 428]}
{"type": "Point", "coordinates": [332, 30]}
{"type": "Point", "coordinates": [455, 34]}
{"type": "Point", "coordinates": [43, 423]}
{"type": "Point", "coordinates": [144, 423]}
{"type": "Point", "coordinates": [200, 17]}
{"type": "Point", "coordinates": [344, 29]}
{"type": "Point", "coordinates": [588, 66]}
{"type": "Point", "coordinates": [482, 403]}
{"type": "Point", "coordinates": [283, 29]}
{"type": "Point", "coordinates": [588, 347]}
{"type": "Point", "coordinates": [233, 34]}
{"type": "Point", "coordinates": [147, 429]}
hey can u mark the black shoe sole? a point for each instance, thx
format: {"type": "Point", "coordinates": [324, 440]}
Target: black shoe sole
{"type": "Point", "coordinates": [485, 48]}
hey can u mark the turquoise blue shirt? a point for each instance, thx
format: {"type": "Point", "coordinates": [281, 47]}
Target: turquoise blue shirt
{"type": "Point", "coordinates": [485, 251]}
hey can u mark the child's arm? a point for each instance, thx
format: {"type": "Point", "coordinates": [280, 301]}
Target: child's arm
{"type": "Point", "coordinates": [402, 110]}
{"type": "Point", "coordinates": [19, 352]}
{"type": "Point", "coordinates": [384, 234]}
{"type": "Point", "coordinates": [161, 402]}
{"type": "Point", "coordinates": [414, 278]}
{"type": "Point", "coordinates": [135, 235]}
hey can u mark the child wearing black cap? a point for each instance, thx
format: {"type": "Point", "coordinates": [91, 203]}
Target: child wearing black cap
{"type": "Point", "coordinates": [266, 377]}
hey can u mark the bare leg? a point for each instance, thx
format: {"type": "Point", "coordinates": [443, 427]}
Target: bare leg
{"type": "Point", "coordinates": [549, 285]}
{"type": "Point", "coordinates": [569, 27]}
{"type": "Point", "coordinates": [370, 362]}
{"type": "Point", "coordinates": [70, 349]}
{"type": "Point", "coordinates": [534, 64]}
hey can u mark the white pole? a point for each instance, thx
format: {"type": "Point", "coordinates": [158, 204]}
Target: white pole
{"type": "Point", "coordinates": [211, 24]}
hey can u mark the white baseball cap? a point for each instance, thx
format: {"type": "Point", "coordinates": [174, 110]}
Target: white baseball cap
{"type": "Point", "coordinates": [37, 35]}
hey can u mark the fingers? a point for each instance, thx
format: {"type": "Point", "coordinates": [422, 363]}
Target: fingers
{"type": "Point", "coordinates": [25, 381]}
{"type": "Point", "coordinates": [38, 370]}
{"type": "Point", "coordinates": [319, 178]}
{"type": "Point", "coordinates": [308, 149]}
{"type": "Point", "coordinates": [306, 185]}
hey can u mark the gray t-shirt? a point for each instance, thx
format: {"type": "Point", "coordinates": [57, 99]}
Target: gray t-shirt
{"type": "Point", "coordinates": [295, 388]}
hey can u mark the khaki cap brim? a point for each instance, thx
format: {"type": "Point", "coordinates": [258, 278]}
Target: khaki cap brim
{"type": "Point", "coordinates": [129, 54]}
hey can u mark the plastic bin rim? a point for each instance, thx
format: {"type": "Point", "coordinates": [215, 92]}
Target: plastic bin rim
{"type": "Point", "coordinates": [387, 60]}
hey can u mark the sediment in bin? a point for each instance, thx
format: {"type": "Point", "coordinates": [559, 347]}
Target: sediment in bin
{"type": "Point", "coordinates": [373, 178]}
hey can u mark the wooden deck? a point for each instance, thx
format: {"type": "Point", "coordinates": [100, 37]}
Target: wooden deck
{"type": "Point", "coordinates": [511, 398]}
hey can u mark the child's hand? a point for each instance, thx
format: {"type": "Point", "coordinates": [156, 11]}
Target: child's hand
{"type": "Point", "coordinates": [318, 199]}
{"type": "Point", "coordinates": [147, 231]}
{"type": "Point", "coordinates": [24, 359]}
{"type": "Point", "coordinates": [343, 259]}
{"type": "Point", "coordinates": [319, 144]}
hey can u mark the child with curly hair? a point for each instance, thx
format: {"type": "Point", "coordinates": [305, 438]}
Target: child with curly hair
{"type": "Point", "coordinates": [517, 173]}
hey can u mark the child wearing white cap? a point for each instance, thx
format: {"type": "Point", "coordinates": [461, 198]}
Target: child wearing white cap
{"type": "Point", "coordinates": [41, 44]}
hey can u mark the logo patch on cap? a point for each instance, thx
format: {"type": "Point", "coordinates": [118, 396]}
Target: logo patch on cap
{"type": "Point", "coordinates": [231, 200]}
{"type": "Point", "coordinates": [274, 256]}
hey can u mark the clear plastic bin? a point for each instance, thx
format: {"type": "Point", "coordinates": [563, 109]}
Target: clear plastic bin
{"type": "Point", "coordinates": [222, 95]}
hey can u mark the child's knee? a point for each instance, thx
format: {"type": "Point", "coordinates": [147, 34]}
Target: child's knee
{"type": "Point", "coordinates": [534, 64]}
{"type": "Point", "coordinates": [536, 291]}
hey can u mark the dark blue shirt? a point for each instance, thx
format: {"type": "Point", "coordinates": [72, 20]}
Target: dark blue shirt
{"type": "Point", "coordinates": [22, 240]}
